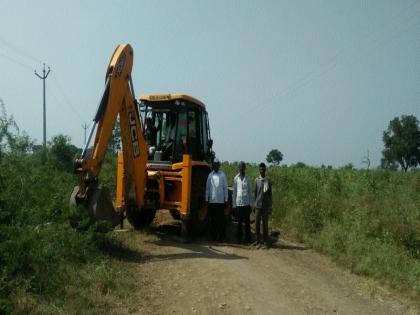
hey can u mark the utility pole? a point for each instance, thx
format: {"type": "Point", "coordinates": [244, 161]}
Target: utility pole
{"type": "Point", "coordinates": [85, 127]}
{"type": "Point", "coordinates": [43, 77]}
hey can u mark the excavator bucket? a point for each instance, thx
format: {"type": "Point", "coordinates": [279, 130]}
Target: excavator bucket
{"type": "Point", "coordinates": [98, 205]}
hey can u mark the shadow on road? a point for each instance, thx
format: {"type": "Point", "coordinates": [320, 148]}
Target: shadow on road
{"type": "Point", "coordinates": [124, 253]}
{"type": "Point", "coordinates": [196, 249]}
{"type": "Point", "coordinates": [288, 246]}
{"type": "Point", "coordinates": [174, 247]}
{"type": "Point", "coordinates": [170, 246]}
{"type": "Point", "coordinates": [280, 244]}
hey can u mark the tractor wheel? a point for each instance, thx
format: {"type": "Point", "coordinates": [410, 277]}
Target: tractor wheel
{"type": "Point", "coordinates": [195, 224]}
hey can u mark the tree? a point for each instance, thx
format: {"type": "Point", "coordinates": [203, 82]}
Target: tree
{"type": "Point", "coordinates": [300, 165]}
{"type": "Point", "coordinates": [402, 143]}
{"type": "Point", "coordinates": [389, 165]}
{"type": "Point", "coordinates": [62, 152]}
{"type": "Point", "coordinates": [274, 157]}
{"type": "Point", "coordinates": [348, 166]}
{"type": "Point", "coordinates": [11, 139]}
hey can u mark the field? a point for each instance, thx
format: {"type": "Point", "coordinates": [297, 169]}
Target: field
{"type": "Point", "coordinates": [368, 221]}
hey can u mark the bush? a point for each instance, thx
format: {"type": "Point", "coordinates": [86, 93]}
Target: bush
{"type": "Point", "coordinates": [43, 261]}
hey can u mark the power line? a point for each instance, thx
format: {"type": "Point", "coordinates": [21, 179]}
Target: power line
{"type": "Point", "coordinates": [309, 77]}
{"type": "Point", "coordinates": [64, 96]}
{"type": "Point", "coordinates": [58, 100]}
{"type": "Point", "coordinates": [19, 56]}
{"type": "Point", "coordinates": [24, 65]}
{"type": "Point", "coordinates": [20, 51]}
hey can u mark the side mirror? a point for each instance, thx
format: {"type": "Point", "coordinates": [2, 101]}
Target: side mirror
{"type": "Point", "coordinates": [210, 143]}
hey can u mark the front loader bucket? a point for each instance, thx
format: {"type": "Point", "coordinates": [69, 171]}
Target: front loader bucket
{"type": "Point", "coordinates": [98, 205]}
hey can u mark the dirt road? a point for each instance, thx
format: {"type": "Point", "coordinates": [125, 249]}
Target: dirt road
{"type": "Point", "coordinates": [211, 278]}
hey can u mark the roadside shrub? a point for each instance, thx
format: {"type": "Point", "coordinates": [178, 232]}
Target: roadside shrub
{"type": "Point", "coordinates": [43, 261]}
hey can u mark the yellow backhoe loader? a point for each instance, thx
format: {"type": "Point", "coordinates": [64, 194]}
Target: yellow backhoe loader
{"type": "Point", "coordinates": [165, 157]}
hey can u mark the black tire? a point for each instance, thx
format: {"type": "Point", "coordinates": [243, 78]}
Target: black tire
{"type": "Point", "coordinates": [198, 223]}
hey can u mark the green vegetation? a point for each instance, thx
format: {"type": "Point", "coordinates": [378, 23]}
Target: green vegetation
{"type": "Point", "coordinates": [45, 266]}
{"type": "Point", "coordinates": [402, 143]}
{"type": "Point", "coordinates": [274, 157]}
{"type": "Point", "coordinates": [367, 221]}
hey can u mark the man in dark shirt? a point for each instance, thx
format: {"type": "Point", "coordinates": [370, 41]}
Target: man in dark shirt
{"type": "Point", "coordinates": [150, 132]}
{"type": "Point", "coordinates": [263, 204]}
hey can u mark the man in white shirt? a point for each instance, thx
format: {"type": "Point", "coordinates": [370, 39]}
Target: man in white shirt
{"type": "Point", "coordinates": [216, 198]}
{"type": "Point", "coordinates": [241, 202]}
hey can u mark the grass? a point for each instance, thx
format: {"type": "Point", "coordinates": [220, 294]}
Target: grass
{"type": "Point", "coordinates": [53, 268]}
{"type": "Point", "coordinates": [367, 221]}
{"type": "Point", "coordinates": [46, 267]}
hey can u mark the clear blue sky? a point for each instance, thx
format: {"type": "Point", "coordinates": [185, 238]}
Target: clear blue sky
{"type": "Point", "coordinates": [319, 80]}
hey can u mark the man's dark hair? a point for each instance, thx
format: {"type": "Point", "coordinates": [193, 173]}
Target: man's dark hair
{"type": "Point", "coordinates": [262, 164]}
{"type": "Point", "coordinates": [242, 163]}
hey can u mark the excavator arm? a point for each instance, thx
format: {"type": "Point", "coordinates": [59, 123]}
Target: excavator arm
{"type": "Point", "coordinates": [117, 100]}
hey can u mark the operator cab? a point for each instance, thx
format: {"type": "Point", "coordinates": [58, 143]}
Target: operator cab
{"type": "Point", "coordinates": [173, 125]}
